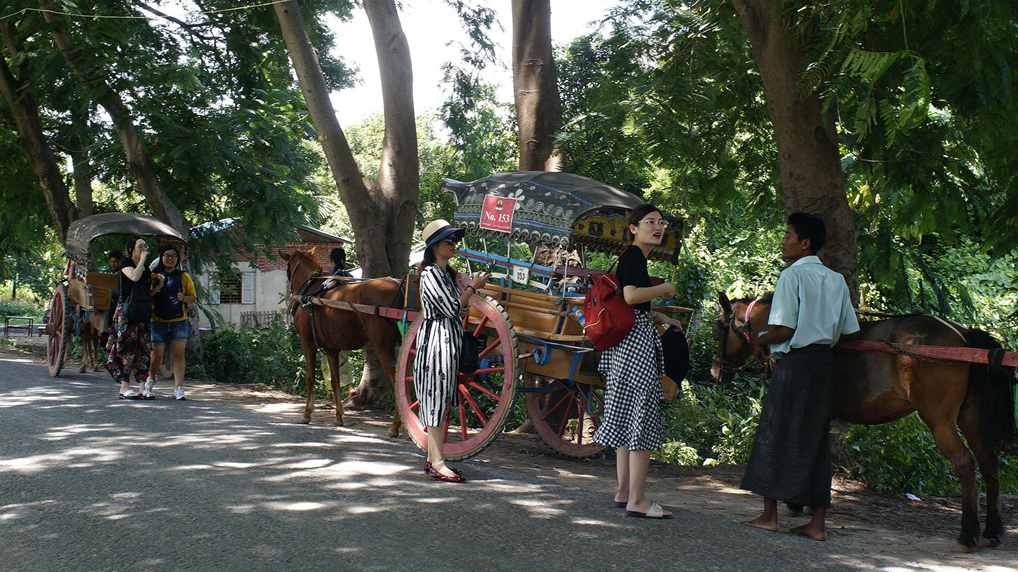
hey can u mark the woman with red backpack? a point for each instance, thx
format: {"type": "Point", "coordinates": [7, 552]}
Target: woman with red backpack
{"type": "Point", "coordinates": [632, 421]}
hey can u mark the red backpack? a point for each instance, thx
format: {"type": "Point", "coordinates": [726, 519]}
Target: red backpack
{"type": "Point", "coordinates": [607, 316]}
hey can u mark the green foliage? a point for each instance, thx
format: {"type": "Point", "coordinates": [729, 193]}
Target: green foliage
{"type": "Point", "coordinates": [22, 308]}
{"type": "Point", "coordinates": [902, 456]}
{"type": "Point", "coordinates": [271, 356]}
{"type": "Point", "coordinates": [710, 423]}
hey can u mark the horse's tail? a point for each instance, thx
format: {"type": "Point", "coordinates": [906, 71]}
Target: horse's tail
{"type": "Point", "coordinates": [992, 385]}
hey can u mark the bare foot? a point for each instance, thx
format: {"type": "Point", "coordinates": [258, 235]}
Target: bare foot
{"type": "Point", "coordinates": [764, 523]}
{"type": "Point", "coordinates": [809, 532]}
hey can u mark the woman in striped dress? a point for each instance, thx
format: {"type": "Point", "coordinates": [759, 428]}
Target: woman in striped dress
{"type": "Point", "coordinates": [632, 422]}
{"type": "Point", "coordinates": [436, 363]}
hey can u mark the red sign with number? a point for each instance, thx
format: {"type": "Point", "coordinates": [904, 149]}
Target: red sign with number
{"type": "Point", "coordinates": [497, 213]}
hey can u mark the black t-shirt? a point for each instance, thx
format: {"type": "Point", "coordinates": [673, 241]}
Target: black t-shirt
{"type": "Point", "coordinates": [632, 271]}
{"type": "Point", "coordinates": [140, 288]}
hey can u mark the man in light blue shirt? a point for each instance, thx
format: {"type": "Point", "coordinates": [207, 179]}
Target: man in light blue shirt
{"type": "Point", "coordinates": [810, 311]}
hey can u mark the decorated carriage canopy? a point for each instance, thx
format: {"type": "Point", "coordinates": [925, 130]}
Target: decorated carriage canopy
{"type": "Point", "coordinates": [558, 209]}
{"type": "Point", "coordinates": [84, 230]}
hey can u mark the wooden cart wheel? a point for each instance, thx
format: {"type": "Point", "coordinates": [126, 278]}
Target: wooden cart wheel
{"type": "Point", "coordinates": [485, 395]}
{"type": "Point", "coordinates": [59, 329]}
{"type": "Point", "coordinates": [566, 415]}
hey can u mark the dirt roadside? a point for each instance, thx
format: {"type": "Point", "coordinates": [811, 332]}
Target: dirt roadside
{"type": "Point", "coordinates": [868, 529]}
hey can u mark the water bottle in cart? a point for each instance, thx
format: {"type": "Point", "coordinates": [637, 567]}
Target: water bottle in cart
{"type": "Point", "coordinates": [577, 314]}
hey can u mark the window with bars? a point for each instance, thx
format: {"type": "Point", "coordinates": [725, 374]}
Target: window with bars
{"type": "Point", "coordinates": [236, 288]}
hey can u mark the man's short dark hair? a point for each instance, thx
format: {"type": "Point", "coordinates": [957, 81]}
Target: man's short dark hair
{"type": "Point", "coordinates": [117, 254]}
{"type": "Point", "coordinates": [810, 227]}
{"type": "Point", "coordinates": [338, 257]}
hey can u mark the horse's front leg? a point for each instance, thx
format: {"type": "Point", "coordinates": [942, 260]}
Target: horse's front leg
{"type": "Point", "coordinates": [387, 357]}
{"type": "Point", "coordinates": [309, 380]}
{"type": "Point", "coordinates": [334, 365]}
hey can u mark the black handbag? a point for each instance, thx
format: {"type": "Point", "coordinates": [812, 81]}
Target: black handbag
{"type": "Point", "coordinates": [470, 359]}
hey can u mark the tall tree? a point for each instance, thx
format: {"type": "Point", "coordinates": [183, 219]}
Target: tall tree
{"type": "Point", "coordinates": [535, 83]}
{"type": "Point", "coordinates": [25, 110]}
{"type": "Point", "coordinates": [93, 75]}
{"type": "Point", "coordinates": [808, 159]}
{"type": "Point", "coordinates": [382, 211]}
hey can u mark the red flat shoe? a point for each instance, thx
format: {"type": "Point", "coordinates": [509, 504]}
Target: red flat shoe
{"type": "Point", "coordinates": [454, 478]}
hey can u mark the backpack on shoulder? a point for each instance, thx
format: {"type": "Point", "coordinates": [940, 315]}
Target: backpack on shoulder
{"type": "Point", "coordinates": [607, 316]}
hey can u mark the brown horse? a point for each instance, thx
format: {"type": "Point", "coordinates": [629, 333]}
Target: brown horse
{"type": "Point", "coordinates": [332, 330]}
{"type": "Point", "coordinates": [873, 387]}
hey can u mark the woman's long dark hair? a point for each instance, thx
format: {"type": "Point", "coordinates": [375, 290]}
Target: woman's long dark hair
{"type": "Point", "coordinates": [429, 260]}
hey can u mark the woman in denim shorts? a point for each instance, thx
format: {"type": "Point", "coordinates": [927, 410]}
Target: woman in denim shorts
{"type": "Point", "coordinates": [174, 291]}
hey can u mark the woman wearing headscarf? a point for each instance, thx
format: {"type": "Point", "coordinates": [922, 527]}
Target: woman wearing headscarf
{"type": "Point", "coordinates": [440, 340]}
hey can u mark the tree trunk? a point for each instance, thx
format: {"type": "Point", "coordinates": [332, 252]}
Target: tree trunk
{"type": "Point", "coordinates": [138, 160]}
{"type": "Point", "coordinates": [388, 207]}
{"type": "Point", "coordinates": [809, 164]}
{"type": "Point", "coordinates": [32, 139]}
{"type": "Point", "coordinates": [81, 164]}
{"type": "Point", "coordinates": [538, 109]}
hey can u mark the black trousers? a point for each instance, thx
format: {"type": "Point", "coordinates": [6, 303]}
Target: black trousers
{"type": "Point", "coordinates": [791, 458]}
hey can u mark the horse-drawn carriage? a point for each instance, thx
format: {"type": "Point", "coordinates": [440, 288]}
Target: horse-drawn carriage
{"type": "Point", "coordinates": [80, 302]}
{"type": "Point", "coordinates": [527, 324]}
{"type": "Point", "coordinates": [524, 329]}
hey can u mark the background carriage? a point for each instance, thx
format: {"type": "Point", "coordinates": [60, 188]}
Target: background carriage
{"type": "Point", "coordinates": [528, 321]}
{"type": "Point", "coordinates": [83, 296]}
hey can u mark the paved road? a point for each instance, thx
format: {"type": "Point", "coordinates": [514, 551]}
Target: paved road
{"type": "Point", "coordinates": [91, 483]}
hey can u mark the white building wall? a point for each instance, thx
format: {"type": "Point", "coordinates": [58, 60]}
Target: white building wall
{"type": "Point", "coordinates": [268, 295]}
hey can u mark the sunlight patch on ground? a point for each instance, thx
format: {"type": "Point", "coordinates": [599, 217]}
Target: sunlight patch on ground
{"type": "Point", "coordinates": [301, 506]}
{"type": "Point", "coordinates": [364, 509]}
{"type": "Point", "coordinates": [435, 500]}
{"type": "Point", "coordinates": [308, 464]}
{"type": "Point", "coordinates": [594, 522]}
{"type": "Point", "coordinates": [81, 457]}
{"type": "Point", "coordinates": [540, 508]}
{"type": "Point", "coordinates": [33, 397]}
{"type": "Point", "coordinates": [13, 511]}
{"type": "Point", "coordinates": [505, 487]}
{"type": "Point", "coordinates": [17, 360]}
{"type": "Point", "coordinates": [345, 470]}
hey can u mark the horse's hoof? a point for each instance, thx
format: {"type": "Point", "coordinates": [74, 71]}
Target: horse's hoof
{"type": "Point", "coordinates": [305, 421]}
{"type": "Point", "coordinates": [993, 541]}
{"type": "Point", "coordinates": [393, 433]}
{"type": "Point", "coordinates": [339, 422]}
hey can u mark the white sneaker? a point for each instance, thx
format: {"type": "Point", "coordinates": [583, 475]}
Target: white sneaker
{"type": "Point", "coordinates": [146, 392]}
{"type": "Point", "coordinates": [131, 393]}
{"type": "Point", "coordinates": [178, 393]}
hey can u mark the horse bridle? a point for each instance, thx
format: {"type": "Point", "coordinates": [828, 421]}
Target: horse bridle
{"type": "Point", "coordinates": [745, 331]}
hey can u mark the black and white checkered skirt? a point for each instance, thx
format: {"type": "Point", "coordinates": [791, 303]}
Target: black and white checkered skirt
{"type": "Point", "coordinates": [632, 371]}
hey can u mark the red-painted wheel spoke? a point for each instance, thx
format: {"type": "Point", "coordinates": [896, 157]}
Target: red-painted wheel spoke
{"type": "Point", "coordinates": [488, 370]}
{"type": "Point", "coordinates": [480, 325]}
{"type": "Point", "coordinates": [415, 404]}
{"type": "Point", "coordinates": [579, 419]}
{"type": "Point", "coordinates": [557, 405]}
{"type": "Point", "coordinates": [565, 421]}
{"type": "Point", "coordinates": [408, 378]}
{"type": "Point", "coordinates": [463, 421]}
{"type": "Point", "coordinates": [489, 348]}
{"type": "Point", "coordinates": [482, 389]}
{"type": "Point", "coordinates": [473, 405]}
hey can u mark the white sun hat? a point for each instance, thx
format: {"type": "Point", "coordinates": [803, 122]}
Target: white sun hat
{"type": "Point", "coordinates": [439, 230]}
